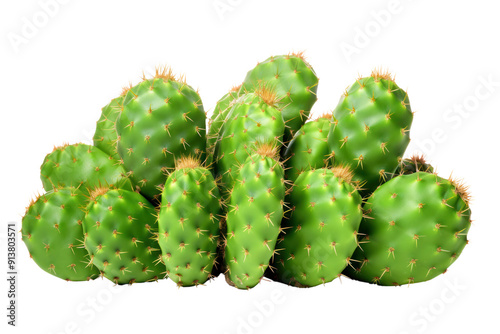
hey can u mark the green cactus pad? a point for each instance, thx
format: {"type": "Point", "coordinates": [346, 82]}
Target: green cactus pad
{"type": "Point", "coordinates": [370, 130]}
{"type": "Point", "coordinates": [121, 236]}
{"type": "Point", "coordinates": [252, 120]}
{"type": "Point", "coordinates": [309, 148]}
{"type": "Point", "coordinates": [218, 118]}
{"type": "Point", "coordinates": [254, 217]}
{"type": "Point", "coordinates": [417, 227]}
{"type": "Point", "coordinates": [295, 82]}
{"type": "Point", "coordinates": [189, 223]}
{"type": "Point", "coordinates": [82, 166]}
{"type": "Point", "coordinates": [321, 233]}
{"type": "Point", "coordinates": [412, 165]}
{"type": "Point", "coordinates": [105, 137]}
{"type": "Point", "coordinates": [52, 231]}
{"type": "Point", "coordinates": [162, 119]}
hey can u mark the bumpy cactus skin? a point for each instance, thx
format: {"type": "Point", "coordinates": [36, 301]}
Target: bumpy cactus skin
{"type": "Point", "coordinates": [82, 166]}
{"type": "Point", "coordinates": [253, 220]}
{"type": "Point", "coordinates": [370, 129]}
{"type": "Point", "coordinates": [417, 227]}
{"type": "Point", "coordinates": [52, 231]}
{"type": "Point", "coordinates": [321, 232]}
{"type": "Point", "coordinates": [162, 119]}
{"type": "Point", "coordinates": [121, 236]}
{"type": "Point", "coordinates": [252, 120]}
{"type": "Point", "coordinates": [189, 223]}
{"type": "Point", "coordinates": [295, 83]}
{"type": "Point", "coordinates": [309, 148]}
{"type": "Point", "coordinates": [105, 137]}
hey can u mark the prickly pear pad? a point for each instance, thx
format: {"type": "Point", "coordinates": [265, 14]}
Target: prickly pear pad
{"type": "Point", "coordinates": [82, 166]}
{"type": "Point", "coordinates": [253, 221]}
{"type": "Point", "coordinates": [105, 136]}
{"type": "Point", "coordinates": [321, 232]}
{"type": "Point", "coordinates": [222, 109]}
{"type": "Point", "coordinates": [189, 223]}
{"type": "Point", "coordinates": [252, 119]}
{"type": "Point", "coordinates": [294, 81]}
{"type": "Point", "coordinates": [162, 119]}
{"type": "Point", "coordinates": [52, 231]}
{"type": "Point", "coordinates": [417, 228]}
{"type": "Point", "coordinates": [309, 148]}
{"type": "Point", "coordinates": [121, 236]}
{"type": "Point", "coordinates": [370, 130]}
{"type": "Point", "coordinates": [414, 164]}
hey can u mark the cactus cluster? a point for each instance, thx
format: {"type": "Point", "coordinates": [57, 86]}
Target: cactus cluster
{"type": "Point", "coordinates": [260, 189]}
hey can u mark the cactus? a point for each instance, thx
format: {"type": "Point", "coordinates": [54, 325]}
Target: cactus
{"type": "Point", "coordinates": [253, 118]}
{"type": "Point", "coordinates": [416, 163]}
{"type": "Point", "coordinates": [254, 216]}
{"type": "Point", "coordinates": [370, 129]}
{"type": "Point", "coordinates": [162, 119]}
{"type": "Point", "coordinates": [222, 109]}
{"type": "Point", "coordinates": [309, 148]}
{"type": "Point", "coordinates": [189, 223]}
{"type": "Point", "coordinates": [416, 228]}
{"type": "Point", "coordinates": [52, 231]}
{"type": "Point", "coordinates": [121, 236]}
{"type": "Point", "coordinates": [105, 137]}
{"type": "Point", "coordinates": [295, 82]}
{"type": "Point", "coordinates": [82, 166]}
{"type": "Point", "coordinates": [321, 233]}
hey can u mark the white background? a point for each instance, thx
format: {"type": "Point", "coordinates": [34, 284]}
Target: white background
{"type": "Point", "coordinates": [55, 79]}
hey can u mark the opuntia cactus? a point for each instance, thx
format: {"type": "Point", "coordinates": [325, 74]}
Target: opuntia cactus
{"type": "Point", "coordinates": [161, 120]}
{"type": "Point", "coordinates": [295, 82]}
{"type": "Point", "coordinates": [52, 231]}
{"type": "Point", "coordinates": [309, 148]}
{"type": "Point", "coordinates": [320, 234]}
{"type": "Point", "coordinates": [189, 223]}
{"type": "Point", "coordinates": [253, 119]}
{"type": "Point", "coordinates": [416, 227]}
{"type": "Point", "coordinates": [218, 118]}
{"type": "Point", "coordinates": [416, 163]}
{"type": "Point", "coordinates": [370, 130]}
{"type": "Point", "coordinates": [121, 234]}
{"type": "Point", "coordinates": [82, 166]}
{"type": "Point", "coordinates": [105, 137]}
{"type": "Point", "coordinates": [254, 214]}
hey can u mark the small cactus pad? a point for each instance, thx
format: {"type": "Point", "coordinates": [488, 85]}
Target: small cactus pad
{"type": "Point", "coordinates": [121, 236]}
{"type": "Point", "coordinates": [105, 137]}
{"type": "Point", "coordinates": [309, 148]}
{"type": "Point", "coordinates": [416, 163]}
{"type": "Point", "coordinates": [189, 223]}
{"type": "Point", "coordinates": [295, 83]}
{"type": "Point", "coordinates": [370, 130]}
{"type": "Point", "coordinates": [82, 166]}
{"type": "Point", "coordinates": [253, 219]}
{"type": "Point", "coordinates": [162, 119]}
{"type": "Point", "coordinates": [321, 233]}
{"type": "Point", "coordinates": [52, 231]}
{"type": "Point", "coordinates": [253, 119]}
{"type": "Point", "coordinates": [416, 227]}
